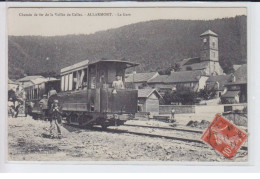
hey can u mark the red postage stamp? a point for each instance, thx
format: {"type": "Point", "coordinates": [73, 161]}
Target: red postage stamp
{"type": "Point", "coordinates": [224, 136]}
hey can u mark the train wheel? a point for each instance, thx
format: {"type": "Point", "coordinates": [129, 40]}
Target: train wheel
{"type": "Point", "coordinates": [68, 118]}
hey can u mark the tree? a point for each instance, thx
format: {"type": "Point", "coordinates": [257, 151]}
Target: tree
{"type": "Point", "coordinates": [176, 67]}
{"type": "Point", "coordinates": [207, 94]}
{"type": "Point", "coordinates": [185, 96]}
{"type": "Point", "coordinates": [188, 96]}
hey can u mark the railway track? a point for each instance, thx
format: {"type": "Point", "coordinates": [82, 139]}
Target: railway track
{"type": "Point", "coordinates": [166, 128]}
{"type": "Point", "coordinates": [125, 131]}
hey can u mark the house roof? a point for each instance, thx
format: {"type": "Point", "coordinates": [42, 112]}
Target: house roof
{"type": "Point", "coordinates": [145, 93]}
{"type": "Point", "coordinates": [39, 80]}
{"type": "Point", "coordinates": [11, 82]}
{"type": "Point", "coordinates": [230, 94]}
{"type": "Point", "coordinates": [158, 79]}
{"type": "Point", "coordinates": [192, 61]}
{"type": "Point", "coordinates": [140, 77]}
{"type": "Point", "coordinates": [236, 67]}
{"type": "Point", "coordinates": [29, 78]}
{"type": "Point", "coordinates": [208, 32]}
{"type": "Point", "coordinates": [178, 77]}
{"type": "Point", "coordinates": [221, 79]}
{"type": "Point", "coordinates": [240, 75]}
{"type": "Point", "coordinates": [25, 85]}
{"type": "Point", "coordinates": [184, 76]}
{"type": "Point", "coordinates": [195, 66]}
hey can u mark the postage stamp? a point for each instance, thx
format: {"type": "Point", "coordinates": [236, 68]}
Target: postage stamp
{"type": "Point", "coordinates": [224, 136]}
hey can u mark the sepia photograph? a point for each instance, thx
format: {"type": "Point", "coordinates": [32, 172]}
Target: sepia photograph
{"type": "Point", "coordinates": [127, 84]}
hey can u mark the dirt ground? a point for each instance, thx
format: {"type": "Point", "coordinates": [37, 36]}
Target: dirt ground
{"type": "Point", "coordinates": [29, 140]}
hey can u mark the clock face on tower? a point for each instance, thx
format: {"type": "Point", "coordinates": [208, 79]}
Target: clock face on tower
{"type": "Point", "coordinates": [204, 40]}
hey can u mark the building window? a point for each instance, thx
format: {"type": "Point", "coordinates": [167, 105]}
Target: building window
{"type": "Point", "coordinates": [213, 44]}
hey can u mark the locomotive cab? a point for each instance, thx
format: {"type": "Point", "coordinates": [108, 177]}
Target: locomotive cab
{"type": "Point", "coordinates": [91, 94]}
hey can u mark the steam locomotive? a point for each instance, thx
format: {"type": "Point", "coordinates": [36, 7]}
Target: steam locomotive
{"type": "Point", "coordinates": [87, 97]}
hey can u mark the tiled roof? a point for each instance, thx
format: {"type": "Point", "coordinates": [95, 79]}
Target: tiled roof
{"type": "Point", "coordinates": [159, 79]}
{"type": "Point", "coordinates": [236, 67]}
{"type": "Point", "coordinates": [221, 79]}
{"type": "Point", "coordinates": [196, 66]}
{"type": "Point", "coordinates": [42, 80]}
{"type": "Point", "coordinates": [28, 78]}
{"type": "Point", "coordinates": [178, 77]}
{"type": "Point", "coordinates": [186, 60]}
{"type": "Point", "coordinates": [230, 94]}
{"type": "Point", "coordinates": [209, 32]}
{"type": "Point", "coordinates": [39, 80]}
{"type": "Point", "coordinates": [140, 77]}
{"type": "Point", "coordinates": [240, 75]}
{"type": "Point", "coordinates": [192, 61]}
{"type": "Point", "coordinates": [184, 76]}
{"type": "Point", "coordinates": [11, 82]}
{"type": "Point", "coordinates": [145, 93]}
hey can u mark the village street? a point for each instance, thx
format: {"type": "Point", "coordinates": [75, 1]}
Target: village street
{"type": "Point", "coordinates": [29, 141]}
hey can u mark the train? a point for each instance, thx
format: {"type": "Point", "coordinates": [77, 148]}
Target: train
{"type": "Point", "coordinates": [35, 92]}
{"type": "Point", "coordinates": [87, 95]}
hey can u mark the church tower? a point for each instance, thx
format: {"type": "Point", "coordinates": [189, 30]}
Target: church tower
{"type": "Point", "coordinates": [209, 52]}
{"type": "Point", "coordinates": [209, 46]}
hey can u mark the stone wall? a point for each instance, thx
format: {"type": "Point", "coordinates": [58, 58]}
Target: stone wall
{"type": "Point", "coordinates": [183, 109]}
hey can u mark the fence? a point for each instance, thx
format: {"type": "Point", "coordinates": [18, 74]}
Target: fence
{"type": "Point", "coordinates": [200, 109]}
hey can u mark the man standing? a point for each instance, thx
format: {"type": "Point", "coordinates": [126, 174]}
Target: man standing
{"type": "Point", "coordinates": [172, 115]}
{"type": "Point", "coordinates": [55, 119]}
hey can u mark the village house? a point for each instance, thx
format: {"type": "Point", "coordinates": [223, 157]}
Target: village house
{"type": "Point", "coordinates": [193, 73]}
{"type": "Point", "coordinates": [192, 80]}
{"type": "Point", "coordinates": [139, 80]}
{"type": "Point", "coordinates": [12, 85]}
{"type": "Point", "coordinates": [218, 83]}
{"type": "Point", "coordinates": [237, 87]}
{"type": "Point", "coordinates": [34, 85]}
{"type": "Point", "coordinates": [27, 80]}
{"type": "Point", "coordinates": [148, 101]}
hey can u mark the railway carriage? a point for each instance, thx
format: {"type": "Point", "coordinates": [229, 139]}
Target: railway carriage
{"type": "Point", "coordinates": [87, 97]}
{"type": "Point", "coordinates": [34, 93]}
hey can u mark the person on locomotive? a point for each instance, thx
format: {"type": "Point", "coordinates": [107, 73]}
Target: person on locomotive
{"type": "Point", "coordinates": [118, 84]}
{"type": "Point", "coordinates": [55, 119]}
{"type": "Point", "coordinates": [44, 105]}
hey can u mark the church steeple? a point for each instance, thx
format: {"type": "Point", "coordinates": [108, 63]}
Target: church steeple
{"type": "Point", "coordinates": [209, 46]}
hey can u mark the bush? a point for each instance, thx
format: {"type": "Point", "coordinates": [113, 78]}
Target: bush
{"type": "Point", "coordinates": [185, 97]}
{"type": "Point", "coordinates": [207, 94]}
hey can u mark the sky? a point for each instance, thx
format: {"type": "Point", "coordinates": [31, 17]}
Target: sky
{"type": "Point", "coordinates": [65, 21]}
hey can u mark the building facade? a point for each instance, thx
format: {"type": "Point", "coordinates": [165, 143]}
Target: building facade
{"type": "Point", "coordinates": [209, 56]}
